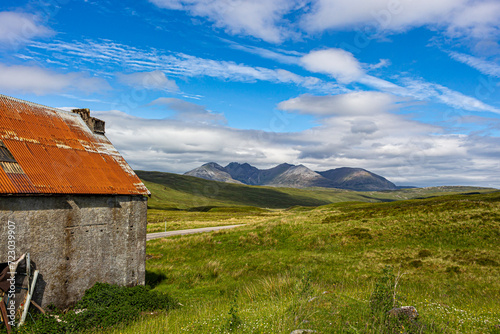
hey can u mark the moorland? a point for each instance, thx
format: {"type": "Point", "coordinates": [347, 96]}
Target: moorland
{"type": "Point", "coordinates": [326, 260]}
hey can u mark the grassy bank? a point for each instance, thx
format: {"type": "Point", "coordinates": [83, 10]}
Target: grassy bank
{"type": "Point", "coordinates": [317, 268]}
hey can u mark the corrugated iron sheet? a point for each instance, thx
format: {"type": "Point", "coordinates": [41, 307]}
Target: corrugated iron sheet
{"type": "Point", "coordinates": [58, 154]}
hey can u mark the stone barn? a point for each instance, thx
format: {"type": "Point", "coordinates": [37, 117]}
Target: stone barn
{"type": "Point", "coordinates": [69, 199]}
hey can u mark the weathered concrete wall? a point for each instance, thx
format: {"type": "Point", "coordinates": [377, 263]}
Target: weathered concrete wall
{"type": "Point", "coordinates": [76, 241]}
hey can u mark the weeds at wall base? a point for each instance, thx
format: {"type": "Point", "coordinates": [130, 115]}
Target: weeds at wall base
{"type": "Point", "coordinates": [102, 306]}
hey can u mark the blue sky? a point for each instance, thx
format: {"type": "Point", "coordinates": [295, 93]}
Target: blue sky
{"type": "Point", "coordinates": [406, 89]}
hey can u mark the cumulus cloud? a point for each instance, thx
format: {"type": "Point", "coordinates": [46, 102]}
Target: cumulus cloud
{"type": "Point", "coordinates": [404, 151]}
{"type": "Point", "coordinates": [345, 68]}
{"type": "Point", "coordinates": [337, 63]}
{"type": "Point", "coordinates": [384, 15]}
{"type": "Point", "coordinates": [377, 138]}
{"type": "Point", "coordinates": [150, 80]}
{"type": "Point", "coordinates": [40, 81]}
{"type": "Point", "coordinates": [177, 146]}
{"type": "Point", "coordinates": [258, 18]}
{"type": "Point", "coordinates": [190, 112]}
{"type": "Point", "coordinates": [359, 129]}
{"type": "Point", "coordinates": [18, 28]}
{"type": "Point", "coordinates": [477, 19]}
{"type": "Point", "coordinates": [351, 104]}
{"type": "Point", "coordinates": [459, 18]}
{"type": "Point", "coordinates": [277, 20]}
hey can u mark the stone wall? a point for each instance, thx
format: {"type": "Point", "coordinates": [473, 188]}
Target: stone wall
{"type": "Point", "coordinates": [76, 241]}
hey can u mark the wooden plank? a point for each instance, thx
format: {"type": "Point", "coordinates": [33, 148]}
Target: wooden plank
{"type": "Point", "coordinates": [5, 318]}
{"type": "Point", "coordinates": [37, 306]}
{"type": "Point", "coordinates": [28, 299]}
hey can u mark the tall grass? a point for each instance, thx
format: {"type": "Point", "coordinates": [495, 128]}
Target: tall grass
{"type": "Point", "coordinates": [318, 269]}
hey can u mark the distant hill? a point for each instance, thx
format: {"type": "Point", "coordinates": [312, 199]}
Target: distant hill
{"type": "Point", "coordinates": [174, 191]}
{"type": "Point", "coordinates": [293, 176]}
{"type": "Point", "coordinates": [214, 172]}
{"type": "Point", "coordinates": [357, 179]}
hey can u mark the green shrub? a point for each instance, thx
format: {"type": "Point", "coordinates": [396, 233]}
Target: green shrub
{"type": "Point", "coordinates": [41, 323]}
{"type": "Point", "coordinates": [384, 298]}
{"type": "Point", "coordinates": [234, 321]}
{"type": "Point", "coordinates": [139, 297]}
{"type": "Point", "coordinates": [103, 305]}
{"type": "Point", "coordinates": [100, 317]}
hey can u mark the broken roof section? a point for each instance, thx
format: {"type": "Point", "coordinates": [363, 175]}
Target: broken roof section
{"type": "Point", "coordinates": [45, 150]}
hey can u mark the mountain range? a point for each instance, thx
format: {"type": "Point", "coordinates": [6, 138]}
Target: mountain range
{"type": "Point", "coordinates": [293, 176]}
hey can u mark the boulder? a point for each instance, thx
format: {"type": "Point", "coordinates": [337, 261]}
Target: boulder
{"type": "Point", "coordinates": [409, 312]}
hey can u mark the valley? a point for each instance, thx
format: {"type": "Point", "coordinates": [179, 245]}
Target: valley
{"type": "Point", "coordinates": [316, 267]}
{"type": "Point", "coordinates": [300, 265]}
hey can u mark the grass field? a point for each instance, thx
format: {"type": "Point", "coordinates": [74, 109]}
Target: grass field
{"type": "Point", "coordinates": [317, 267]}
{"type": "Point", "coordinates": [183, 202]}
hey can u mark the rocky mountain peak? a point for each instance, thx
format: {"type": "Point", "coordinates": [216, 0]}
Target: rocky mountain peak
{"type": "Point", "coordinates": [296, 176]}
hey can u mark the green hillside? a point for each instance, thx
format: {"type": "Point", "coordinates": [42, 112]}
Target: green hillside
{"type": "Point", "coordinates": [319, 269]}
{"type": "Point", "coordinates": [173, 191]}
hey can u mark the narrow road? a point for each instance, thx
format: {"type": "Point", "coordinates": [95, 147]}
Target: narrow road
{"type": "Point", "coordinates": [151, 236]}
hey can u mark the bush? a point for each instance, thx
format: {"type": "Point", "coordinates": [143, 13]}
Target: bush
{"type": "Point", "coordinates": [103, 305]}
{"type": "Point", "coordinates": [384, 298]}
{"type": "Point", "coordinates": [234, 321]}
{"type": "Point", "coordinates": [42, 324]}
{"type": "Point", "coordinates": [139, 297]}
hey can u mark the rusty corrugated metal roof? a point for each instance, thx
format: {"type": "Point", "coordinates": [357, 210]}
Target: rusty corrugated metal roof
{"type": "Point", "coordinates": [56, 152]}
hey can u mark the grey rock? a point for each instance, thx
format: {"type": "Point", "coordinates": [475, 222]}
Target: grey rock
{"type": "Point", "coordinates": [302, 331]}
{"type": "Point", "coordinates": [405, 311]}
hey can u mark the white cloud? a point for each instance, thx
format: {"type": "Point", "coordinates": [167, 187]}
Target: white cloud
{"type": "Point", "coordinates": [150, 80]}
{"type": "Point", "coordinates": [483, 66]}
{"type": "Point", "coordinates": [18, 28]}
{"type": "Point", "coordinates": [178, 146]}
{"type": "Point", "coordinates": [383, 15]}
{"type": "Point", "coordinates": [33, 79]}
{"type": "Point", "coordinates": [111, 55]}
{"type": "Point", "coordinates": [477, 19]}
{"type": "Point", "coordinates": [344, 67]}
{"type": "Point", "coordinates": [382, 63]}
{"type": "Point", "coordinates": [405, 151]}
{"type": "Point", "coordinates": [351, 104]}
{"type": "Point", "coordinates": [422, 90]}
{"type": "Point", "coordinates": [459, 18]}
{"type": "Point", "coordinates": [258, 18]}
{"type": "Point", "coordinates": [337, 63]}
{"type": "Point", "coordinates": [277, 20]}
{"type": "Point", "coordinates": [281, 57]}
{"type": "Point", "coordinates": [190, 112]}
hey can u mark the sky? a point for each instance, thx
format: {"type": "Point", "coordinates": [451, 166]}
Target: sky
{"type": "Point", "coordinates": [407, 89]}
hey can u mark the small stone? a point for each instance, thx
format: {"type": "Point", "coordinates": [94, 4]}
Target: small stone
{"type": "Point", "coordinates": [302, 331]}
{"type": "Point", "coordinates": [405, 311]}
{"type": "Point", "coordinates": [77, 311]}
